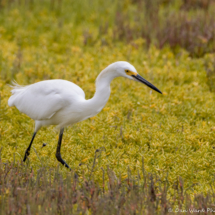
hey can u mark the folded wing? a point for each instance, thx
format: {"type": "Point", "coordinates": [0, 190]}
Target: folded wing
{"type": "Point", "coordinates": [40, 101]}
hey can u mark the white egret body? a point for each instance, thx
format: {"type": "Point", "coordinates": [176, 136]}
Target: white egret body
{"type": "Point", "coordinates": [63, 103]}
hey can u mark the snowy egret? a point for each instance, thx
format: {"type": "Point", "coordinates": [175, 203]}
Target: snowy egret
{"type": "Point", "coordinates": [63, 103]}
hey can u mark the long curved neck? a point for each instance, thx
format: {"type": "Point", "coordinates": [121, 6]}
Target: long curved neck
{"type": "Point", "coordinates": [102, 94]}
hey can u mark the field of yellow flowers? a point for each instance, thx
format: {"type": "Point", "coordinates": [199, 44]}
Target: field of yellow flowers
{"type": "Point", "coordinates": [173, 133]}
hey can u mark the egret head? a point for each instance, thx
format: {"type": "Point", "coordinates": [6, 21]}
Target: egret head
{"type": "Point", "coordinates": [126, 70]}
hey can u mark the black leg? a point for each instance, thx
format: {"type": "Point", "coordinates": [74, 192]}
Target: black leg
{"type": "Point", "coordinates": [58, 155]}
{"type": "Point", "coordinates": [27, 152]}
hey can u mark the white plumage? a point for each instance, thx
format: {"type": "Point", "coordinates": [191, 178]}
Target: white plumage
{"type": "Point", "coordinates": [47, 101]}
{"type": "Point", "coordinates": [62, 103]}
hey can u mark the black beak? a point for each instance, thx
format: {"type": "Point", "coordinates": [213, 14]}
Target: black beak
{"type": "Point", "coordinates": [144, 81]}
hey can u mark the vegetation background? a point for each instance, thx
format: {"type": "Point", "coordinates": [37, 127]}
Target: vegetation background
{"type": "Point", "coordinates": [167, 139]}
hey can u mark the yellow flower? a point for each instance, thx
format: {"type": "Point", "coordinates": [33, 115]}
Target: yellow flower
{"type": "Point", "coordinates": [84, 160]}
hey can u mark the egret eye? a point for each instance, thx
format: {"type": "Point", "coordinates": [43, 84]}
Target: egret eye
{"type": "Point", "coordinates": [126, 71]}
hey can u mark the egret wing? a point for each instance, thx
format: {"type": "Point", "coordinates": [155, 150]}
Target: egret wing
{"type": "Point", "coordinates": [42, 100]}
